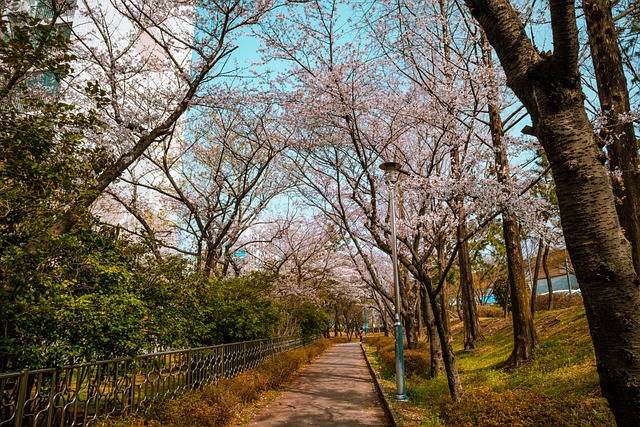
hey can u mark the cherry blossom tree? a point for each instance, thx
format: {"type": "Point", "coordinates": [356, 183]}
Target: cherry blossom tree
{"type": "Point", "coordinates": [148, 62]}
{"type": "Point", "coordinates": [308, 256]}
{"type": "Point", "coordinates": [549, 86]}
{"type": "Point", "coordinates": [215, 187]}
{"type": "Point", "coordinates": [617, 131]}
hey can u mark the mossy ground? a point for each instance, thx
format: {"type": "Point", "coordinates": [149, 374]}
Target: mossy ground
{"type": "Point", "coordinates": [557, 387]}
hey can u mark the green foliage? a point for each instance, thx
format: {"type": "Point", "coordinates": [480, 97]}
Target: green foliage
{"type": "Point", "coordinates": [45, 163]}
{"type": "Point", "coordinates": [72, 299]}
{"type": "Point", "coordinates": [91, 295]}
{"type": "Point", "coordinates": [311, 319]}
{"type": "Point", "coordinates": [501, 292]}
{"type": "Point", "coordinates": [237, 309]}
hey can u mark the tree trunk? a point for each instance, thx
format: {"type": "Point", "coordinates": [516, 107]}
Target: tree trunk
{"type": "Point", "coordinates": [617, 132]}
{"type": "Point", "coordinates": [534, 289]}
{"type": "Point", "coordinates": [411, 330]}
{"type": "Point", "coordinates": [444, 297]}
{"type": "Point", "coordinates": [472, 333]}
{"type": "Point", "coordinates": [448, 356]}
{"type": "Point", "coordinates": [408, 309]}
{"type": "Point", "coordinates": [435, 347]}
{"type": "Point", "coordinates": [419, 316]}
{"type": "Point", "coordinates": [524, 332]}
{"type": "Point", "coordinates": [549, 87]}
{"type": "Point", "coordinates": [545, 267]}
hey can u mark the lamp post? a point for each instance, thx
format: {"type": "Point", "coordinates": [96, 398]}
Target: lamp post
{"type": "Point", "coordinates": [391, 172]}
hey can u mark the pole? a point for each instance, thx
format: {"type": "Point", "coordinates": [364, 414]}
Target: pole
{"type": "Point", "coordinates": [400, 386]}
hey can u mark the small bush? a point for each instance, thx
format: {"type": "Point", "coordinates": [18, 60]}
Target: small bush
{"type": "Point", "coordinates": [490, 311]}
{"type": "Point", "coordinates": [210, 407]}
{"type": "Point", "coordinates": [373, 340]}
{"type": "Point", "coordinates": [386, 351]}
{"type": "Point", "coordinates": [379, 341]}
{"type": "Point", "coordinates": [124, 422]}
{"type": "Point", "coordinates": [560, 300]}
{"type": "Point", "coordinates": [416, 362]}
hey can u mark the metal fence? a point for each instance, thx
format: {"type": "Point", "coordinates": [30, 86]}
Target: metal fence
{"type": "Point", "coordinates": [78, 395]}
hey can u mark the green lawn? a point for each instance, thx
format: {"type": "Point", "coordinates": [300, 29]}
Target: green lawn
{"type": "Point", "coordinates": [558, 387]}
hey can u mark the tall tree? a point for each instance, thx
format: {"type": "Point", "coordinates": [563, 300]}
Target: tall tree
{"type": "Point", "coordinates": [524, 332]}
{"type": "Point", "coordinates": [617, 131]}
{"type": "Point", "coordinates": [151, 61]}
{"type": "Point", "coordinates": [548, 84]}
{"type": "Point", "coordinates": [211, 189]}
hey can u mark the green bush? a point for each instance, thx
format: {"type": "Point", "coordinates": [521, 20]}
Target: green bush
{"type": "Point", "coordinates": [311, 319]}
{"type": "Point", "coordinates": [416, 362]}
{"type": "Point", "coordinates": [386, 351]}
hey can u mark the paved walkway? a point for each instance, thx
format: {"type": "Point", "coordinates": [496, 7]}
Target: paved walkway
{"type": "Point", "coordinates": [336, 390]}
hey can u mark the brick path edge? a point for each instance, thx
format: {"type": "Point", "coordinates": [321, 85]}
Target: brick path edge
{"type": "Point", "coordinates": [388, 409]}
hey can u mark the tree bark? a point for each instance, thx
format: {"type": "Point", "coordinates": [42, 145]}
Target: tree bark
{"type": "Point", "coordinates": [617, 132]}
{"type": "Point", "coordinates": [408, 309]}
{"type": "Point", "coordinates": [435, 347]}
{"type": "Point", "coordinates": [524, 332]}
{"type": "Point", "coordinates": [444, 296]}
{"type": "Point", "coordinates": [545, 267]}
{"type": "Point", "coordinates": [534, 289]}
{"type": "Point", "coordinates": [448, 356]}
{"type": "Point", "coordinates": [472, 333]}
{"type": "Point", "coordinates": [549, 87]}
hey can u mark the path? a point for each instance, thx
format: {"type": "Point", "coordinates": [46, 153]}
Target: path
{"type": "Point", "coordinates": [336, 390]}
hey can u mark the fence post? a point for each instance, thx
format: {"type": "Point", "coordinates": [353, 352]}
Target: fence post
{"type": "Point", "coordinates": [189, 373]}
{"type": "Point", "coordinates": [21, 399]}
{"type": "Point", "coordinates": [244, 355]}
{"type": "Point", "coordinates": [54, 387]}
{"type": "Point", "coordinates": [222, 362]}
{"type": "Point", "coordinates": [132, 384]}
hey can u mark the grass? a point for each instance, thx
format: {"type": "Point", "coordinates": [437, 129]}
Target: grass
{"type": "Point", "coordinates": [230, 401]}
{"type": "Point", "coordinates": [558, 387]}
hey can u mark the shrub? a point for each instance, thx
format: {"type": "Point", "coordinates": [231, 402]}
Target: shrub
{"type": "Point", "coordinates": [386, 351]}
{"type": "Point", "coordinates": [560, 300]}
{"type": "Point", "coordinates": [416, 362]}
{"type": "Point", "coordinates": [210, 407]}
{"type": "Point", "coordinates": [490, 311]}
{"type": "Point", "coordinates": [373, 340]}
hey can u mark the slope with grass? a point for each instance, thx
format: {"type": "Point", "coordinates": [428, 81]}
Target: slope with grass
{"type": "Point", "coordinates": [559, 387]}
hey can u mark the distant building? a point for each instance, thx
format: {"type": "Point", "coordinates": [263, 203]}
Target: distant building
{"type": "Point", "coordinates": [560, 272]}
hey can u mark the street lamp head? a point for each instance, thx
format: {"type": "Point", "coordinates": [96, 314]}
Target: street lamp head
{"type": "Point", "coordinates": [391, 171]}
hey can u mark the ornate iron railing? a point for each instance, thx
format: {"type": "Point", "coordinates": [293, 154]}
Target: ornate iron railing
{"type": "Point", "coordinates": [78, 395]}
